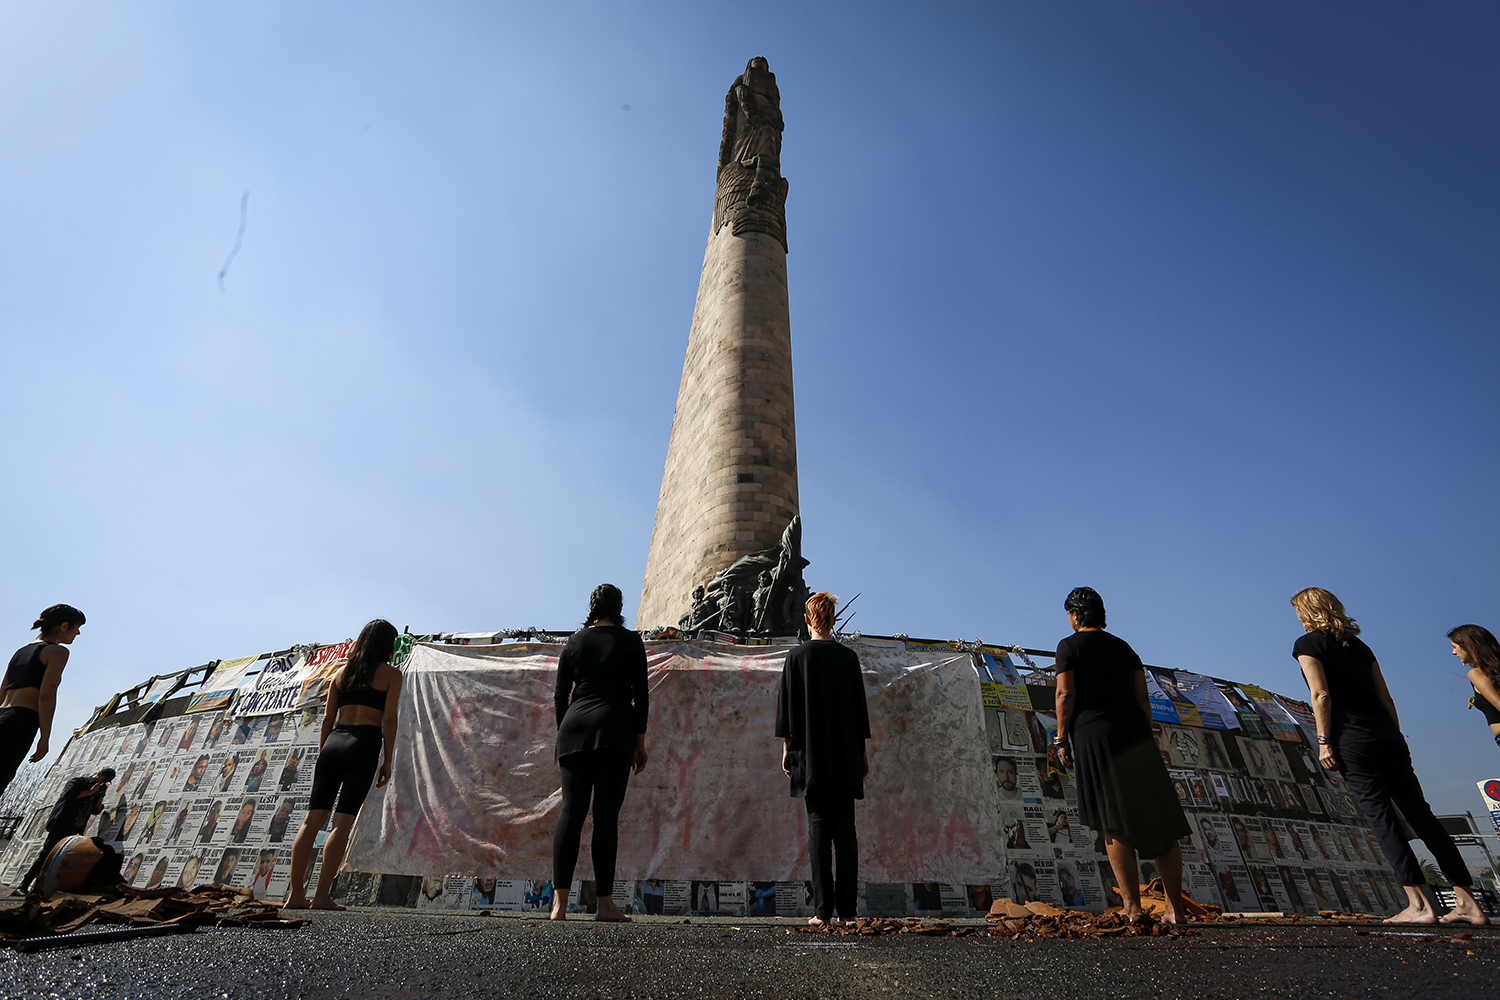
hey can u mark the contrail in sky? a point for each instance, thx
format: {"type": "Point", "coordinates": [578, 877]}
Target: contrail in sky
{"type": "Point", "coordinates": [239, 238]}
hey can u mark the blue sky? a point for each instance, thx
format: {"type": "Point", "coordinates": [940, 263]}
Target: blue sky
{"type": "Point", "coordinates": [1191, 303]}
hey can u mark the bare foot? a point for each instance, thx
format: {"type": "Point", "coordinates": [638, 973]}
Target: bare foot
{"type": "Point", "coordinates": [1465, 912]}
{"type": "Point", "coordinates": [1132, 915]}
{"type": "Point", "coordinates": [296, 903]}
{"type": "Point", "coordinates": [820, 922]}
{"type": "Point", "coordinates": [559, 912]}
{"type": "Point", "coordinates": [1414, 914]}
{"type": "Point", "coordinates": [606, 912]}
{"type": "Point", "coordinates": [324, 903]}
{"type": "Point", "coordinates": [1173, 917]}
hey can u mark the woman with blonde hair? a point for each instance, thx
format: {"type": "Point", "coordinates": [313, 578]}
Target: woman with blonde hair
{"type": "Point", "coordinates": [1477, 649]}
{"type": "Point", "coordinates": [1359, 734]}
{"type": "Point", "coordinates": [823, 721]}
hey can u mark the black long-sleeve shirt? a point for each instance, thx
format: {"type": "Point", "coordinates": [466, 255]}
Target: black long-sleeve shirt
{"type": "Point", "coordinates": [70, 814]}
{"type": "Point", "coordinates": [602, 697]}
{"type": "Point", "coordinates": [822, 715]}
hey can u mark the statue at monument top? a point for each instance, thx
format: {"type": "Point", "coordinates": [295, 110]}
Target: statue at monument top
{"type": "Point", "coordinates": [751, 195]}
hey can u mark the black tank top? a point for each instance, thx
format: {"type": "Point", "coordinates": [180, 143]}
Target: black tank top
{"type": "Point", "coordinates": [369, 697]}
{"type": "Point", "coordinates": [26, 668]}
{"type": "Point", "coordinates": [1491, 712]}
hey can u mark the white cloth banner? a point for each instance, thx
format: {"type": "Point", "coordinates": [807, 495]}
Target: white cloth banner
{"type": "Point", "coordinates": [290, 681]}
{"type": "Point", "coordinates": [475, 789]}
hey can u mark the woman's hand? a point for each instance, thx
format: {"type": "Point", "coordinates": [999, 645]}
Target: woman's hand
{"type": "Point", "coordinates": [1064, 757]}
{"type": "Point", "coordinates": [785, 749]}
{"type": "Point", "coordinates": [41, 750]}
{"type": "Point", "coordinates": [639, 757]}
{"type": "Point", "coordinates": [384, 775]}
{"type": "Point", "coordinates": [1327, 758]}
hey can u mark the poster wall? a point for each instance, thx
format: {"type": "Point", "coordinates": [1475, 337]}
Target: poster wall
{"type": "Point", "coordinates": [218, 793]}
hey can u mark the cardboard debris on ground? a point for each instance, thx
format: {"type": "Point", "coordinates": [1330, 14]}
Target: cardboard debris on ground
{"type": "Point", "coordinates": [212, 905]}
{"type": "Point", "coordinates": [876, 926]}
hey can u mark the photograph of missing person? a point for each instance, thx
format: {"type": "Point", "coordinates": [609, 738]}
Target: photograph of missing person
{"type": "Point", "coordinates": [482, 893]}
{"type": "Point", "coordinates": [538, 894]}
{"type": "Point", "coordinates": [210, 822]}
{"type": "Point", "coordinates": [1049, 779]}
{"type": "Point", "coordinates": [157, 811]}
{"type": "Point", "coordinates": [1200, 793]}
{"type": "Point", "coordinates": [1007, 777]}
{"type": "Point", "coordinates": [178, 824]}
{"type": "Point", "coordinates": [762, 899]}
{"type": "Point", "coordinates": [1273, 842]}
{"type": "Point", "coordinates": [130, 821]}
{"type": "Point", "coordinates": [1110, 883]}
{"type": "Point", "coordinates": [158, 873]}
{"type": "Point", "coordinates": [1228, 887]}
{"type": "Point", "coordinates": [216, 732]}
{"type": "Point", "coordinates": [650, 896]}
{"type": "Point", "coordinates": [1067, 880]}
{"type": "Point", "coordinates": [289, 770]}
{"type": "Point", "coordinates": [1320, 895]}
{"type": "Point", "coordinates": [228, 862]}
{"type": "Point", "coordinates": [186, 743]}
{"type": "Point", "coordinates": [265, 867]}
{"type": "Point", "coordinates": [241, 828]}
{"type": "Point", "coordinates": [706, 897]}
{"type": "Point", "coordinates": [189, 876]}
{"type": "Point", "coordinates": [131, 869]}
{"type": "Point", "coordinates": [226, 772]}
{"type": "Point", "coordinates": [1023, 882]}
{"type": "Point", "coordinates": [243, 731]}
{"type": "Point", "coordinates": [1268, 901]}
{"type": "Point", "coordinates": [927, 897]}
{"type": "Point", "coordinates": [195, 776]}
{"type": "Point", "coordinates": [276, 831]}
{"type": "Point", "coordinates": [1013, 827]}
{"type": "Point", "coordinates": [257, 771]}
{"type": "Point", "coordinates": [274, 726]}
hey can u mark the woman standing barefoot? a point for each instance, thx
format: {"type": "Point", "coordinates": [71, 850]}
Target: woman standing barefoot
{"type": "Point", "coordinates": [1359, 734]}
{"type": "Point", "coordinates": [30, 688]}
{"type": "Point", "coordinates": [602, 705]}
{"type": "Point", "coordinates": [361, 716]}
{"type": "Point", "coordinates": [1123, 788]}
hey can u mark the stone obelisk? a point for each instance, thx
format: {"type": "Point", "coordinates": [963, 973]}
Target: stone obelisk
{"type": "Point", "coordinates": [730, 483]}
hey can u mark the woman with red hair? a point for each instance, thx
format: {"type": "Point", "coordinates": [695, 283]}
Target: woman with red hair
{"type": "Point", "coordinates": [823, 720]}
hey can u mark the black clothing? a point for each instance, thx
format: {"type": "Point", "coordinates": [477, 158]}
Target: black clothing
{"type": "Point", "coordinates": [18, 727]}
{"type": "Point", "coordinates": [602, 775]}
{"type": "Point", "coordinates": [1348, 664]}
{"type": "Point", "coordinates": [26, 669]}
{"type": "Point", "coordinates": [72, 810]}
{"type": "Point", "coordinates": [70, 815]}
{"type": "Point", "coordinates": [1104, 668]}
{"type": "Point", "coordinates": [830, 830]}
{"type": "Point", "coordinates": [602, 699]}
{"type": "Point", "coordinates": [822, 715]}
{"type": "Point", "coordinates": [346, 766]}
{"type": "Point", "coordinates": [1123, 787]}
{"type": "Point", "coordinates": [1491, 713]}
{"type": "Point", "coordinates": [1377, 769]}
{"type": "Point", "coordinates": [366, 696]}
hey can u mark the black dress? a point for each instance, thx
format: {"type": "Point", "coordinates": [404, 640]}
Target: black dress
{"type": "Point", "coordinates": [1123, 787]}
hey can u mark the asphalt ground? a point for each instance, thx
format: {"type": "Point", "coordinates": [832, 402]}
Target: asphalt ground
{"type": "Point", "coordinates": [393, 953]}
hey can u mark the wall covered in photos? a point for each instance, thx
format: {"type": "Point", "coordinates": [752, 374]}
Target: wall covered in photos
{"type": "Point", "coordinates": [214, 787]}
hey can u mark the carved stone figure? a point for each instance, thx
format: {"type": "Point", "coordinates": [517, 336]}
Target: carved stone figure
{"type": "Point", "coordinates": [760, 592]}
{"type": "Point", "coordinates": [751, 196]}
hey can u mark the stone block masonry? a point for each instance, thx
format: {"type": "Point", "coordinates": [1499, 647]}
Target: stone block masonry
{"type": "Point", "coordinates": [730, 482]}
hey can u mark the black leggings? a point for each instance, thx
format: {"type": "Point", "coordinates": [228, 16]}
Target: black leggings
{"type": "Point", "coordinates": [1377, 769]}
{"type": "Point", "coordinates": [830, 830]}
{"type": "Point", "coordinates": [602, 775]}
{"type": "Point", "coordinates": [18, 727]}
{"type": "Point", "coordinates": [346, 766]}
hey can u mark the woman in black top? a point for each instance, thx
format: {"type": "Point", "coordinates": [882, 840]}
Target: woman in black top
{"type": "Point", "coordinates": [30, 688]}
{"type": "Point", "coordinates": [823, 721]}
{"type": "Point", "coordinates": [360, 719]}
{"type": "Point", "coordinates": [602, 705]}
{"type": "Point", "coordinates": [1123, 788]}
{"type": "Point", "coordinates": [1477, 649]}
{"type": "Point", "coordinates": [1359, 734]}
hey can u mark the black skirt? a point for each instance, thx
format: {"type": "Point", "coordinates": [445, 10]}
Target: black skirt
{"type": "Point", "coordinates": [1123, 787]}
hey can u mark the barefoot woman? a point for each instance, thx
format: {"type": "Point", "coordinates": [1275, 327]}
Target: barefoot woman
{"type": "Point", "coordinates": [1360, 735]}
{"type": "Point", "coordinates": [1123, 788]}
{"type": "Point", "coordinates": [30, 689]}
{"type": "Point", "coordinates": [361, 716]}
{"type": "Point", "coordinates": [602, 704]}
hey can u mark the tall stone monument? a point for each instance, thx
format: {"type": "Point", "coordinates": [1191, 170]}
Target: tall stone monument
{"type": "Point", "coordinates": [729, 489]}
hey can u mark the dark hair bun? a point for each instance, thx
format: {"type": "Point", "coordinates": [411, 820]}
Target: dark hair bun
{"type": "Point", "coordinates": [58, 614]}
